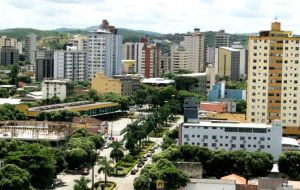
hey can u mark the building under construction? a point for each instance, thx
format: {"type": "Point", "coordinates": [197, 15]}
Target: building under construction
{"type": "Point", "coordinates": [35, 131]}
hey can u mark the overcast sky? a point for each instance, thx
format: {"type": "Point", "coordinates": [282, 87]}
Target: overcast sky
{"type": "Point", "coordinates": [165, 16]}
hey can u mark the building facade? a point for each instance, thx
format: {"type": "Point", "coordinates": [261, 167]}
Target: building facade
{"type": "Point", "coordinates": [134, 51]}
{"type": "Point", "coordinates": [70, 64]}
{"type": "Point", "coordinates": [229, 63]}
{"type": "Point", "coordinates": [233, 136]}
{"type": "Point", "coordinates": [222, 39]}
{"type": "Point", "coordinates": [9, 55]}
{"type": "Point", "coordinates": [8, 42]}
{"type": "Point", "coordinates": [179, 58]}
{"type": "Point", "coordinates": [30, 49]}
{"type": "Point", "coordinates": [104, 51]}
{"type": "Point", "coordinates": [273, 77]}
{"type": "Point", "coordinates": [44, 67]}
{"type": "Point", "coordinates": [129, 83]}
{"type": "Point", "coordinates": [219, 92]}
{"type": "Point", "coordinates": [54, 88]}
{"type": "Point", "coordinates": [103, 84]}
{"type": "Point", "coordinates": [151, 61]}
{"type": "Point", "coordinates": [194, 45]}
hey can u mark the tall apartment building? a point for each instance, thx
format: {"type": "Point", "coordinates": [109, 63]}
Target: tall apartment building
{"type": "Point", "coordinates": [222, 39]}
{"type": "Point", "coordinates": [179, 58]}
{"type": "Point", "coordinates": [78, 41]}
{"type": "Point", "coordinates": [165, 63]}
{"type": "Point", "coordinates": [104, 51]}
{"type": "Point", "coordinates": [232, 63]}
{"type": "Point", "coordinates": [195, 47]}
{"type": "Point", "coordinates": [8, 42]}
{"type": "Point", "coordinates": [70, 64]}
{"type": "Point", "coordinates": [30, 48]}
{"type": "Point", "coordinates": [9, 55]}
{"type": "Point", "coordinates": [151, 61]}
{"type": "Point", "coordinates": [273, 77]}
{"type": "Point", "coordinates": [134, 51]}
{"type": "Point", "coordinates": [44, 67]}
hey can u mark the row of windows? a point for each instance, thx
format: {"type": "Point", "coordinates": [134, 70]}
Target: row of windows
{"type": "Point", "coordinates": [232, 145]}
{"type": "Point", "coordinates": [215, 137]}
{"type": "Point", "coordinates": [235, 129]}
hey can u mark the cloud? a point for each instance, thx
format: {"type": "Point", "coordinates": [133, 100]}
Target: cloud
{"type": "Point", "coordinates": [167, 16]}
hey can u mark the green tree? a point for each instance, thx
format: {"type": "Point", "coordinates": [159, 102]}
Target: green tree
{"type": "Point", "coordinates": [106, 168]}
{"type": "Point", "coordinates": [259, 163]}
{"type": "Point", "coordinates": [81, 184]}
{"type": "Point", "coordinates": [241, 106]}
{"type": "Point", "coordinates": [98, 140]}
{"type": "Point", "coordinates": [288, 164]}
{"type": "Point", "coordinates": [14, 178]}
{"type": "Point", "coordinates": [14, 74]}
{"type": "Point", "coordinates": [76, 157]}
{"type": "Point", "coordinates": [185, 83]}
{"type": "Point", "coordinates": [4, 93]}
{"type": "Point", "coordinates": [116, 152]}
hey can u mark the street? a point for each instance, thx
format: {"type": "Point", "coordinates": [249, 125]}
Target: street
{"type": "Point", "coordinates": [123, 183]}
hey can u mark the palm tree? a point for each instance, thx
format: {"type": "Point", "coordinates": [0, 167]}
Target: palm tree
{"type": "Point", "coordinates": [81, 184]}
{"type": "Point", "coordinates": [105, 167]}
{"type": "Point", "coordinates": [116, 152]}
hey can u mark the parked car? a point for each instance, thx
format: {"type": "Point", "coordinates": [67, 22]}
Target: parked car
{"type": "Point", "coordinates": [145, 158]}
{"type": "Point", "coordinates": [105, 146]}
{"type": "Point", "coordinates": [156, 146]}
{"type": "Point", "coordinates": [85, 171]}
{"type": "Point", "coordinates": [55, 183]}
{"type": "Point", "coordinates": [142, 161]}
{"type": "Point", "coordinates": [140, 164]}
{"type": "Point", "coordinates": [148, 154]}
{"type": "Point", "coordinates": [133, 171]}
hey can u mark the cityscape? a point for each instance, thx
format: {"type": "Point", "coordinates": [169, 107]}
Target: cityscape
{"type": "Point", "coordinates": [113, 99]}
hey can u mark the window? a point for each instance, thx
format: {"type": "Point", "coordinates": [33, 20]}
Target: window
{"type": "Point", "coordinates": [233, 137]}
{"type": "Point", "coordinates": [204, 144]}
{"type": "Point", "coordinates": [262, 146]}
{"type": "Point", "coordinates": [193, 135]}
{"type": "Point", "coordinates": [214, 137]}
{"type": "Point", "coordinates": [242, 138]}
{"type": "Point", "coordinates": [242, 146]}
{"type": "Point", "coordinates": [262, 138]}
{"type": "Point", "coordinates": [186, 136]}
{"type": "Point", "coordinates": [233, 145]}
{"type": "Point", "coordinates": [198, 136]}
{"type": "Point", "coordinates": [213, 145]}
{"type": "Point", "coordinates": [249, 145]}
{"type": "Point", "coordinates": [221, 144]}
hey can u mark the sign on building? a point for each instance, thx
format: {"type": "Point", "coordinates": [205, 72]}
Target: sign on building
{"type": "Point", "coordinates": [160, 185]}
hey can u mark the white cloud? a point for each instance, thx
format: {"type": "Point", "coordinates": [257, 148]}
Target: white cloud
{"type": "Point", "coordinates": [167, 16]}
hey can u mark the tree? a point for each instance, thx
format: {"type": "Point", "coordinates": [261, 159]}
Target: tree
{"type": "Point", "coordinates": [185, 83]}
{"type": "Point", "coordinates": [76, 158]}
{"type": "Point", "coordinates": [288, 164]}
{"type": "Point", "coordinates": [259, 163]}
{"type": "Point", "coordinates": [105, 167]}
{"type": "Point", "coordinates": [14, 178]}
{"type": "Point", "coordinates": [116, 152]}
{"type": "Point", "coordinates": [14, 74]}
{"type": "Point", "coordinates": [81, 184]}
{"type": "Point", "coordinates": [98, 140]}
{"type": "Point", "coordinates": [4, 93]}
{"type": "Point", "coordinates": [38, 160]}
{"type": "Point", "coordinates": [241, 106]}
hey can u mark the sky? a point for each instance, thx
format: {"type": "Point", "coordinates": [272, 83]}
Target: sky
{"type": "Point", "coordinates": [164, 16]}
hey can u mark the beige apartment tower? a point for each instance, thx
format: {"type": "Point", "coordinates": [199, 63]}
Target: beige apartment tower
{"type": "Point", "coordinates": [273, 77]}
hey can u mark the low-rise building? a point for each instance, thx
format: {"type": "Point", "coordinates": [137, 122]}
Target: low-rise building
{"type": "Point", "coordinates": [219, 92]}
{"type": "Point", "coordinates": [229, 135]}
{"type": "Point", "coordinates": [129, 83]}
{"type": "Point", "coordinates": [103, 84]}
{"type": "Point", "coordinates": [82, 107]}
{"type": "Point", "coordinates": [218, 107]}
{"type": "Point", "coordinates": [54, 88]}
{"type": "Point", "coordinates": [210, 184]}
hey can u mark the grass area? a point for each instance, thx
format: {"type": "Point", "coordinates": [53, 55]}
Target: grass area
{"type": "Point", "coordinates": [128, 162]}
{"type": "Point", "coordinates": [159, 133]}
{"type": "Point", "coordinates": [110, 185]}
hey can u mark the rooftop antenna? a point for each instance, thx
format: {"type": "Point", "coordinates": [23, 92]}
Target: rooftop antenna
{"type": "Point", "coordinates": [276, 17]}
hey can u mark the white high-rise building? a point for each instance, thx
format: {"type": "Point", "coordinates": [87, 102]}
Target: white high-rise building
{"type": "Point", "coordinates": [30, 48]}
{"type": "Point", "coordinates": [134, 51]}
{"type": "Point", "coordinates": [54, 88]}
{"type": "Point", "coordinates": [179, 58]}
{"type": "Point", "coordinates": [273, 81]}
{"type": "Point", "coordinates": [70, 64]}
{"type": "Point", "coordinates": [104, 51]}
{"type": "Point", "coordinates": [194, 45]}
{"type": "Point", "coordinates": [78, 41]}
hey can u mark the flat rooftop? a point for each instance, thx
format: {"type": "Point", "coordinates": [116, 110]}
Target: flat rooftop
{"type": "Point", "coordinates": [228, 124]}
{"type": "Point", "coordinates": [70, 105]}
{"type": "Point", "coordinates": [229, 48]}
{"type": "Point", "coordinates": [192, 75]}
{"type": "Point", "coordinates": [157, 81]}
{"type": "Point", "coordinates": [10, 101]}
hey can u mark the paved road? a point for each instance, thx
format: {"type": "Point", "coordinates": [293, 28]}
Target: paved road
{"type": "Point", "coordinates": [123, 183]}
